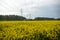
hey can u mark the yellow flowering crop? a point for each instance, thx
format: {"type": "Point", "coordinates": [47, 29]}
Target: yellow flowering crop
{"type": "Point", "coordinates": [29, 30]}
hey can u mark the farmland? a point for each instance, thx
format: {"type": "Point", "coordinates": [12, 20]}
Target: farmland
{"type": "Point", "coordinates": [29, 30]}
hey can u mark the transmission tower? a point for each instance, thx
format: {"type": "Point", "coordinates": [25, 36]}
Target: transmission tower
{"type": "Point", "coordinates": [21, 12]}
{"type": "Point", "coordinates": [28, 16]}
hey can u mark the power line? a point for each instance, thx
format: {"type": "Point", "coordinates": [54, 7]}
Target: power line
{"type": "Point", "coordinates": [11, 7]}
{"type": "Point", "coordinates": [3, 6]}
{"type": "Point", "coordinates": [7, 5]}
{"type": "Point", "coordinates": [16, 7]}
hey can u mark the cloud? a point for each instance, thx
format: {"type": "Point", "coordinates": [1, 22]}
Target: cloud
{"type": "Point", "coordinates": [34, 7]}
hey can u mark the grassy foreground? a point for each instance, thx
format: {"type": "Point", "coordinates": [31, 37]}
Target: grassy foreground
{"type": "Point", "coordinates": [29, 30]}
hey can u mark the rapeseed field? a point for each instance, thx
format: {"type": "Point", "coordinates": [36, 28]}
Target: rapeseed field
{"type": "Point", "coordinates": [29, 30]}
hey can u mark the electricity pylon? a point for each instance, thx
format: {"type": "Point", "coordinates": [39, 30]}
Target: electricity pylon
{"type": "Point", "coordinates": [29, 16]}
{"type": "Point", "coordinates": [21, 12]}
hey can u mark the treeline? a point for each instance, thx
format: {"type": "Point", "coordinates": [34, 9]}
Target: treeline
{"type": "Point", "coordinates": [44, 18]}
{"type": "Point", "coordinates": [15, 17]}
{"type": "Point", "coordinates": [11, 17]}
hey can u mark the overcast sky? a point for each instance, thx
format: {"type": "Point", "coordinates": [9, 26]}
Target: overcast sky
{"type": "Point", "coordinates": [35, 8]}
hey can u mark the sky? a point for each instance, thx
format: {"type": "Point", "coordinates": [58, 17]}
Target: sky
{"type": "Point", "coordinates": [31, 8]}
